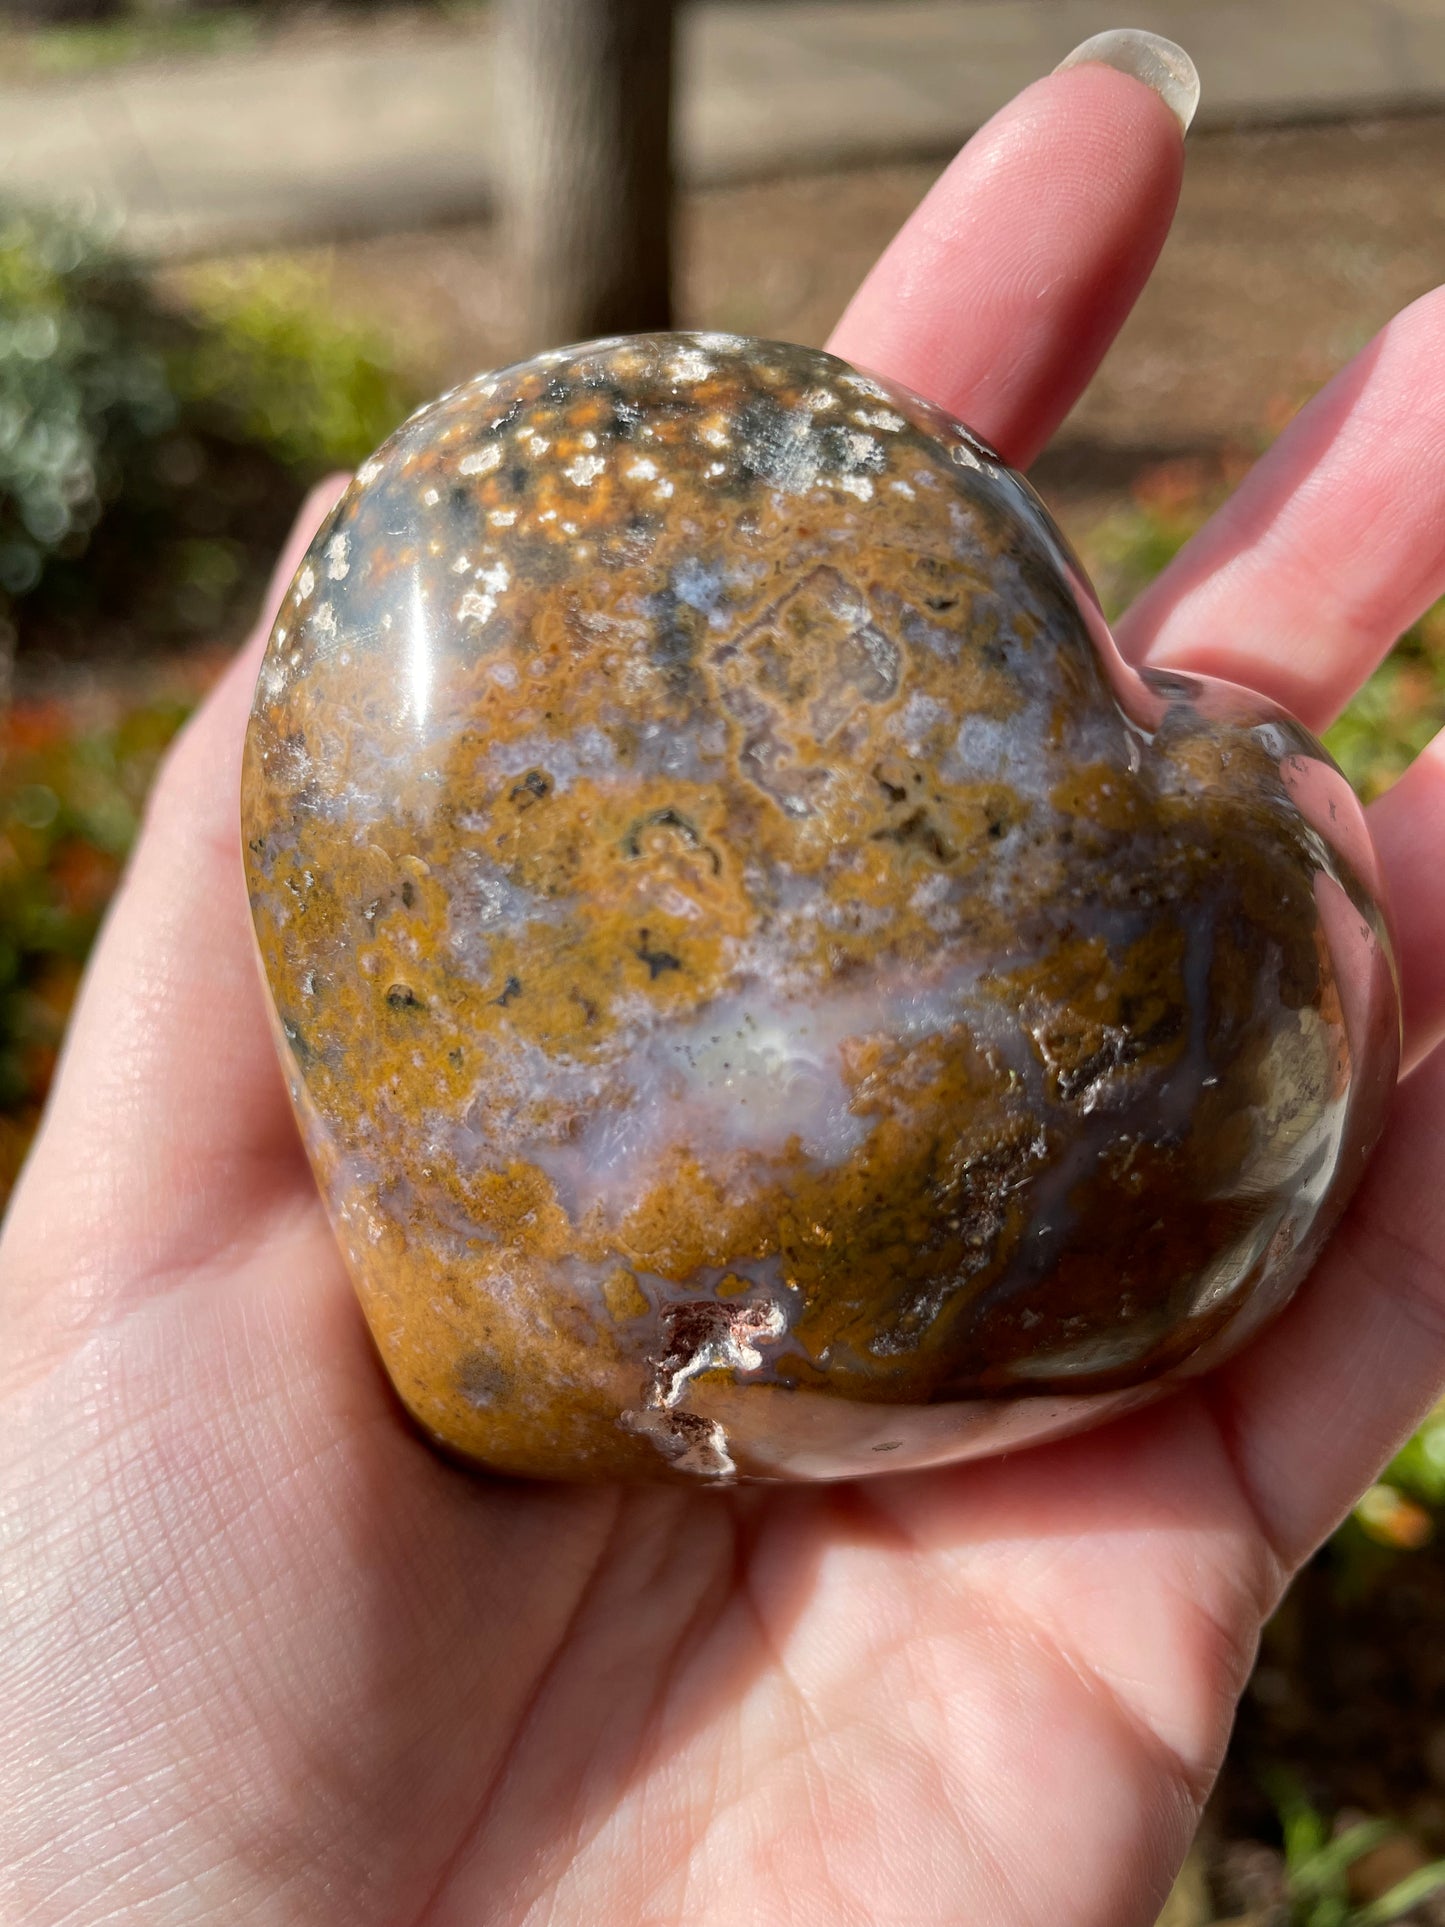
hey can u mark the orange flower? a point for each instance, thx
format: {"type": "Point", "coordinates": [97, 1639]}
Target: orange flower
{"type": "Point", "coordinates": [83, 877]}
{"type": "Point", "coordinates": [36, 725]}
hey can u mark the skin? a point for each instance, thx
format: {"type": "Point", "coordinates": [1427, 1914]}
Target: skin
{"type": "Point", "coordinates": [265, 1657]}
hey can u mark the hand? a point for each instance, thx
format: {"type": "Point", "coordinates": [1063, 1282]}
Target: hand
{"type": "Point", "coordinates": [265, 1658]}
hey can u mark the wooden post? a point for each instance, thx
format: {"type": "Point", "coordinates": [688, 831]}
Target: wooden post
{"type": "Point", "coordinates": [585, 107]}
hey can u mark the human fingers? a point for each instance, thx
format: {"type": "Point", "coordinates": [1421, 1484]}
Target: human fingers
{"type": "Point", "coordinates": [1407, 825]}
{"type": "Point", "coordinates": [1332, 545]}
{"type": "Point", "coordinates": [1312, 1408]}
{"type": "Point", "coordinates": [999, 296]}
{"type": "Point", "coordinates": [168, 1104]}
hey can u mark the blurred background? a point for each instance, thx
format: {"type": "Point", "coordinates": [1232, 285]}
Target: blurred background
{"type": "Point", "coordinates": [238, 242]}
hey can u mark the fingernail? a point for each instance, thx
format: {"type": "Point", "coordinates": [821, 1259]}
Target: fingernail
{"type": "Point", "coordinates": [1149, 57]}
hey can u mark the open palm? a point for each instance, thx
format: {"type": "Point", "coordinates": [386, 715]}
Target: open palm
{"type": "Point", "coordinates": [265, 1657]}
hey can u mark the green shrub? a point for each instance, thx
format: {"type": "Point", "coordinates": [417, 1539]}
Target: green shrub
{"type": "Point", "coordinates": [83, 389]}
{"type": "Point", "coordinates": [153, 454]}
{"type": "Point", "coordinates": [318, 396]}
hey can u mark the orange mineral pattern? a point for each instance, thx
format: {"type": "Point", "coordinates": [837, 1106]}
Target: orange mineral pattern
{"type": "Point", "coordinates": [767, 991]}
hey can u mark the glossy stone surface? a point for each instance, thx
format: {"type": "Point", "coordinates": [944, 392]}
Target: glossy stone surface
{"type": "Point", "coordinates": [767, 992]}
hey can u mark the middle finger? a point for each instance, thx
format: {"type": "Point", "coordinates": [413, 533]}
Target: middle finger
{"type": "Point", "coordinates": [1330, 548]}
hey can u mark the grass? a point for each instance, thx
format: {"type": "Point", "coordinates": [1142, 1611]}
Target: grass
{"type": "Point", "coordinates": [74, 49]}
{"type": "Point", "coordinates": [1319, 1858]}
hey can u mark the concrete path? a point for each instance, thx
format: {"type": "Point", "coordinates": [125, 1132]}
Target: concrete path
{"type": "Point", "coordinates": [372, 131]}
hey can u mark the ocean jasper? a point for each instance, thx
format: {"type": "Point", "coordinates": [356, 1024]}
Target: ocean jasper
{"type": "Point", "coordinates": [768, 993]}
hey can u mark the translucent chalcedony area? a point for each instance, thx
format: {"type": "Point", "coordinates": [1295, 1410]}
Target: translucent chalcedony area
{"type": "Point", "coordinates": [767, 992]}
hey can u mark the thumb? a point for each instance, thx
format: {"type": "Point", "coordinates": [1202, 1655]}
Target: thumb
{"type": "Point", "coordinates": [169, 1114]}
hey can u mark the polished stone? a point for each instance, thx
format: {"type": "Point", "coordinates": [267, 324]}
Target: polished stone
{"type": "Point", "coordinates": [767, 991]}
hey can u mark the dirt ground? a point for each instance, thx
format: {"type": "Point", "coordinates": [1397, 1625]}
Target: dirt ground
{"type": "Point", "coordinates": [1290, 249]}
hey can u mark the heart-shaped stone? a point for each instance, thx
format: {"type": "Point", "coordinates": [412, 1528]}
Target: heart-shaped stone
{"type": "Point", "coordinates": [767, 991]}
